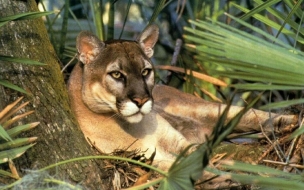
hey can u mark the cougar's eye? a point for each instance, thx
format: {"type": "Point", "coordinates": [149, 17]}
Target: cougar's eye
{"type": "Point", "coordinates": [145, 72]}
{"type": "Point", "coordinates": [116, 75]}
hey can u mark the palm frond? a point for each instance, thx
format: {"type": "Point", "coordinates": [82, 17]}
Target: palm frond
{"type": "Point", "coordinates": [280, 27]}
{"type": "Point", "coordinates": [247, 57]}
{"type": "Point", "coordinates": [260, 175]}
{"type": "Point", "coordinates": [11, 147]}
{"type": "Point", "coordinates": [23, 16]}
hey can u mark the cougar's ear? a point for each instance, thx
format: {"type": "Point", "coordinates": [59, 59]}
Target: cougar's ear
{"type": "Point", "coordinates": [148, 39]}
{"type": "Point", "coordinates": [88, 47]}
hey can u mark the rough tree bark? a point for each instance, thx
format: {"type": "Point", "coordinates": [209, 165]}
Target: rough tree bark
{"type": "Point", "coordinates": [59, 138]}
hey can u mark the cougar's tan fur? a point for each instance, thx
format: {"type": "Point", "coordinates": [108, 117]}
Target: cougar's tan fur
{"type": "Point", "coordinates": [113, 95]}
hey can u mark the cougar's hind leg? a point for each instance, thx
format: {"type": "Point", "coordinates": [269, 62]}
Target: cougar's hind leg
{"type": "Point", "coordinates": [195, 117]}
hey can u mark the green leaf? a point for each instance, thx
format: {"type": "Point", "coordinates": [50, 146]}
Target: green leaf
{"type": "Point", "coordinates": [97, 19]}
{"type": "Point", "coordinates": [20, 60]}
{"type": "Point", "coordinates": [246, 56]}
{"type": "Point", "coordinates": [17, 142]}
{"type": "Point", "coordinates": [12, 86]}
{"type": "Point", "coordinates": [259, 169]}
{"type": "Point", "coordinates": [260, 86]}
{"type": "Point", "coordinates": [22, 16]}
{"type": "Point", "coordinates": [11, 154]}
{"type": "Point", "coordinates": [21, 128]}
{"type": "Point", "coordinates": [274, 78]}
{"type": "Point", "coordinates": [291, 5]}
{"type": "Point", "coordinates": [294, 8]}
{"type": "Point", "coordinates": [261, 176]}
{"type": "Point", "coordinates": [6, 174]}
{"type": "Point", "coordinates": [297, 132]}
{"type": "Point", "coordinates": [161, 4]}
{"type": "Point", "coordinates": [282, 104]}
{"type": "Point", "coordinates": [3, 23]}
{"type": "Point", "coordinates": [4, 134]}
{"type": "Point", "coordinates": [271, 23]}
{"type": "Point", "coordinates": [187, 169]}
{"type": "Point", "coordinates": [278, 14]}
{"type": "Point", "coordinates": [259, 8]}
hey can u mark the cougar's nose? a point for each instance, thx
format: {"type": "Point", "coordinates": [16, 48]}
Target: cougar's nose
{"type": "Point", "coordinates": [140, 101]}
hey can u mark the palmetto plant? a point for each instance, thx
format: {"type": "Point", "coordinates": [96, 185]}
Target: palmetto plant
{"type": "Point", "coordinates": [244, 56]}
{"type": "Point", "coordinates": [264, 63]}
{"type": "Point", "coordinates": [271, 66]}
{"type": "Point", "coordinates": [12, 147]}
{"type": "Point", "coordinates": [258, 61]}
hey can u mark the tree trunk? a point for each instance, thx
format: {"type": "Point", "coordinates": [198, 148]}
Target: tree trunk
{"type": "Point", "coordinates": [59, 137]}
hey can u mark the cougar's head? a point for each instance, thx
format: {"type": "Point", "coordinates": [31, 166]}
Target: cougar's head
{"type": "Point", "coordinates": [118, 75]}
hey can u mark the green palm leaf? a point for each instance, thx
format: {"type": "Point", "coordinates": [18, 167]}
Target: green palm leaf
{"type": "Point", "coordinates": [248, 57]}
{"type": "Point", "coordinates": [20, 60]}
{"type": "Point", "coordinates": [4, 135]}
{"type": "Point", "coordinates": [22, 16]}
{"type": "Point", "coordinates": [271, 179]}
{"type": "Point", "coordinates": [13, 153]}
{"type": "Point", "coordinates": [271, 23]}
{"type": "Point", "coordinates": [12, 86]}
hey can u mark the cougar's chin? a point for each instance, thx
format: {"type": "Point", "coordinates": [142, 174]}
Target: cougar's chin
{"type": "Point", "coordinates": [132, 113]}
{"type": "Point", "coordinates": [136, 118]}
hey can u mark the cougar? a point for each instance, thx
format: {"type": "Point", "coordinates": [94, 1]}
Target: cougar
{"type": "Point", "coordinates": [118, 106]}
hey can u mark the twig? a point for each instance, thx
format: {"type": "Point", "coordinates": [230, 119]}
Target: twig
{"type": "Point", "coordinates": [94, 146]}
{"type": "Point", "coordinates": [130, 145]}
{"type": "Point", "coordinates": [277, 148]}
{"type": "Point", "coordinates": [284, 164]}
{"type": "Point", "coordinates": [274, 144]}
{"type": "Point", "coordinates": [64, 68]}
{"type": "Point", "coordinates": [293, 143]}
{"type": "Point", "coordinates": [292, 147]}
{"type": "Point", "coordinates": [265, 153]}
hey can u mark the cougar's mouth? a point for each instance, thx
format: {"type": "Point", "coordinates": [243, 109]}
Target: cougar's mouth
{"type": "Point", "coordinates": [135, 118]}
{"type": "Point", "coordinates": [134, 114]}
